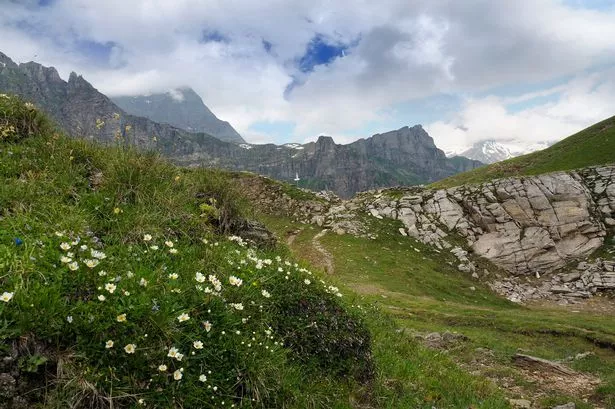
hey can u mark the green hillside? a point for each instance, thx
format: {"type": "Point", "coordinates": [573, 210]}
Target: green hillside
{"type": "Point", "coordinates": [592, 146]}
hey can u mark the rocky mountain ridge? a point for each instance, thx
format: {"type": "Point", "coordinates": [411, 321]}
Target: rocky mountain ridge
{"type": "Point", "coordinates": [529, 227]}
{"type": "Point", "coordinates": [406, 156]}
{"type": "Point", "coordinates": [182, 108]}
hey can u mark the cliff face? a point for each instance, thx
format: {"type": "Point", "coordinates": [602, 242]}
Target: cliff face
{"type": "Point", "coordinates": [182, 108]}
{"type": "Point", "coordinates": [407, 156]}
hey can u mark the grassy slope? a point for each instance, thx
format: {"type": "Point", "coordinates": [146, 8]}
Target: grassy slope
{"type": "Point", "coordinates": [592, 146]}
{"type": "Point", "coordinates": [423, 293]}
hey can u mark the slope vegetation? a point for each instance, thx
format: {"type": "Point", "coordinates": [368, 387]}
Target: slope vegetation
{"type": "Point", "coordinates": [592, 146]}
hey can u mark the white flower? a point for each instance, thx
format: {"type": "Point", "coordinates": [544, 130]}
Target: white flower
{"type": "Point", "coordinates": [265, 294]}
{"type": "Point", "coordinates": [173, 352]}
{"type": "Point", "coordinates": [101, 297]}
{"type": "Point", "coordinates": [6, 296]}
{"type": "Point", "coordinates": [235, 281]}
{"type": "Point", "coordinates": [173, 276]}
{"type": "Point", "coordinates": [197, 345]}
{"type": "Point", "coordinates": [177, 375]}
{"type": "Point", "coordinates": [199, 277]}
{"type": "Point", "coordinates": [130, 348]}
{"type": "Point", "coordinates": [169, 243]}
{"type": "Point", "coordinates": [98, 254]}
{"type": "Point", "coordinates": [162, 368]}
{"type": "Point", "coordinates": [91, 263]}
{"type": "Point", "coordinates": [306, 281]}
{"type": "Point", "coordinates": [207, 326]}
{"type": "Point", "coordinates": [65, 246]}
{"type": "Point", "coordinates": [183, 317]}
{"type": "Point", "coordinates": [70, 254]}
{"type": "Point", "coordinates": [237, 306]}
{"type": "Point", "coordinates": [74, 266]}
{"type": "Point", "coordinates": [121, 318]}
{"type": "Point", "coordinates": [83, 247]}
{"type": "Point", "coordinates": [69, 319]}
{"type": "Point", "coordinates": [147, 237]}
{"type": "Point", "coordinates": [203, 378]}
{"type": "Point", "coordinates": [102, 273]}
{"type": "Point", "coordinates": [143, 282]}
{"type": "Point", "coordinates": [110, 287]}
{"type": "Point", "coordinates": [59, 234]}
{"type": "Point", "coordinates": [65, 259]}
{"type": "Point", "coordinates": [173, 251]}
{"type": "Point", "coordinates": [109, 344]}
{"type": "Point", "coordinates": [130, 274]}
{"type": "Point", "coordinates": [154, 247]}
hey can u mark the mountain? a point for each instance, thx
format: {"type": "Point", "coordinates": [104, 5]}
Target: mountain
{"type": "Point", "coordinates": [402, 157]}
{"type": "Point", "coordinates": [592, 146]}
{"type": "Point", "coordinates": [182, 108]}
{"type": "Point", "coordinates": [488, 152]}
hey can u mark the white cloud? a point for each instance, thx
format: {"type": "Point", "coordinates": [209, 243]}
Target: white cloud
{"type": "Point", "coordinates": [408, 49]}
{"type": "Point", "coordinates": [581, 102]}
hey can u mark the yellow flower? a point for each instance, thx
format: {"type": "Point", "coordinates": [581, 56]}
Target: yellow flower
{"type": "Point", "coordinates": [176, 178]}
{"type": "Point", "coordinates": [117, 210]}
{"type": "Point", "coordinates": [130, 348]}
{"type": "Point", "coordinates": [109, 344]}
{"type": "Point", "coordinates": [183, 317]}
{"type": "Point", "coordinates": [6, 296]}
{"type": "Point", "coordinates": [121, 318]}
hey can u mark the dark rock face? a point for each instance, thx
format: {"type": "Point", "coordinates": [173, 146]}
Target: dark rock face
{"type": "Point", "coordinates": [182, 108]}
{"type": "Point", "coordinates": [407, 156]}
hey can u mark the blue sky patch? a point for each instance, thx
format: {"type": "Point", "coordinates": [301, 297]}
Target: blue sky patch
{"type": "Point", "coordinates": [280, 131]}
{"type": "Point", "coordinates": [267, 46]}
{"type": "Point", "coordinates": [319, 51]}
{"type": "Point", "coordinates": [209, 36]}
{"type": "Point", "coordinates": [97, 53]}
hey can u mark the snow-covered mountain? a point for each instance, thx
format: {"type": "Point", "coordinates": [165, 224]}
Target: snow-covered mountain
{"type": "Point", "coordinates": [491, 151]}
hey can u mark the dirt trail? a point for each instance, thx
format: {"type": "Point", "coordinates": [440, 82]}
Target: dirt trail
{"type": "Point", "coordinates": [327, 259]}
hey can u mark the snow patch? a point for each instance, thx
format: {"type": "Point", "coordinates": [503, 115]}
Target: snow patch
{"type": "Point", "coordinates": [245, 146]}
{"type": "Point", "coordinates": [293, 146]}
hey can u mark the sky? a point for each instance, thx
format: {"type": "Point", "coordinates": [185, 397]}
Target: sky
{"type": "Point", "coordinates": [521, 72]}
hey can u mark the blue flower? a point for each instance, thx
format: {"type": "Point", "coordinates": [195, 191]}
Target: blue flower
{"type": "Point", "coordinates": [18, 241]}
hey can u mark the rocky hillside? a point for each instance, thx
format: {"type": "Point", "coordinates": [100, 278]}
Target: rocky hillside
{"type": "Point", "coordinates": [402, 157]}
{"type": "Point", "coordinates": [182, 108]}
{"type": "Point", "coordinates": [526, 226]}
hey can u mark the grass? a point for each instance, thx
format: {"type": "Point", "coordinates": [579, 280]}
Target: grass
{"type": "Point", "coordinates": [592, 146]}
{"type": "Point", "coordinates": [415, 288]}
{"type": "Point", "coordinates": [123, 284]}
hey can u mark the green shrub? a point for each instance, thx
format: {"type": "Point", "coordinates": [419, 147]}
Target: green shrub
{"type": "Point", "coordinates": [20, 119]}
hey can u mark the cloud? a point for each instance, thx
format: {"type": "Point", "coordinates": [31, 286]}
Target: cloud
{"type": "Point", "coordinates": [243, 56]}
{"type": "Point", "coordinates": [581, 102]}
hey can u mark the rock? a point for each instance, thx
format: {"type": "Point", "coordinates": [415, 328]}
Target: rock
{"type": "Point", "coordinates": [520, 403]}
{"type": "Point", "coordinates": [583, 265]}
{"type": "Point", "coordinates": [566, 278]}
{"type": "Point", "coordinates": [560, 289]}
{"type": "Point", "coordinates": [609, 221]}
{"type": "Point", "coordinates": [7, 386]}
{"type": "Point", "coordinates": [402, 231]}
{"type": "Point", "coordinates": [569, 405]}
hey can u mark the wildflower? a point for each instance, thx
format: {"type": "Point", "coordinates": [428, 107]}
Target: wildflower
{"type": "Point", "coordinates": [237, 306]}
{"type": "Point", "coordinates": [173, 352]}
{"type": "Point", "coordinates": [130, 348]}
{"type": "Point", "coordinates": [69, 319]}
{"type": "Point", "coordinates": [83, 247]}
{"type": "Point", "coordinates": [102, 273]}
{"type": "Point", "coordinates": [117, 210]}
{"type": "Point", "coordinates": [121, 318]}
{"type": "Point", "coordinates": [18, 241]}
{"type": "Point", "coordinates": [143, 282]}
{"type": "Point", "coordinates": [110, 287]}
{"type": "Point", "coordinates": [147, 237]}
{"type": "Point", "coordinates": [207, 326]}
{"type": "Point", "coordinates": [176, 178]}
{"type": "Point", "coordinates": [173, 276]}
{"type": "Point", "coordinates": [203, 378]}
{"type": "Point", "coordinates": [197, 345]}
{"type": "Point", "coordinates": [91, 263]}
{"type": "Point", "coordinates": [199, 277]}
{"type": "Point", "coordinates": [265, 293]}
{"type": "Point", "coordinates": [173, 251]}
{"type": "Point", "coordinates": [98, 254]}
{"type": "Point", "coordinates": [74, 266]}
{"type": "Point", "coordinates": [65, 246]}
{"type": "Point", "coordinates": [169, 243]}
{"type": "Point", "coordinates": [183, 317]}
{"type": "Point", "coordinates": [306, 281]}
{"type": "Point", "coordinates": [141, 401]}
{"type": "Point", "coordinates": [70, 254]}
{"type": "Point", "coordinates": [59, 233]}
{"type": "Point", "coordinates": [154, 247]}
{"type": "Point", "coordinates": [177, 375]}
{"type": "Point", "coordinates": [162, 368]}
{"type": "Point", "coordinates": [235, 281]}
{"type": "Point", "coordinates": [101, 297]}
{"type": "Point", "coordinates": [215, 282]}
{"type": "Point", "coordinates": [65, 259]}
{"type": "Point", "coordinates": [109, 344]}
{"type": "Point", "coordinates": [130, 274]}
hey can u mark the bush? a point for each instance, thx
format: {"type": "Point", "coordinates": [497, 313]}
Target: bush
{"type": "Point", "coordinates": [20, 119]}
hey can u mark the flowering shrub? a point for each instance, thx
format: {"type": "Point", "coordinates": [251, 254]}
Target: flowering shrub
{"type": "Point", "coordinates": [20, 119]}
